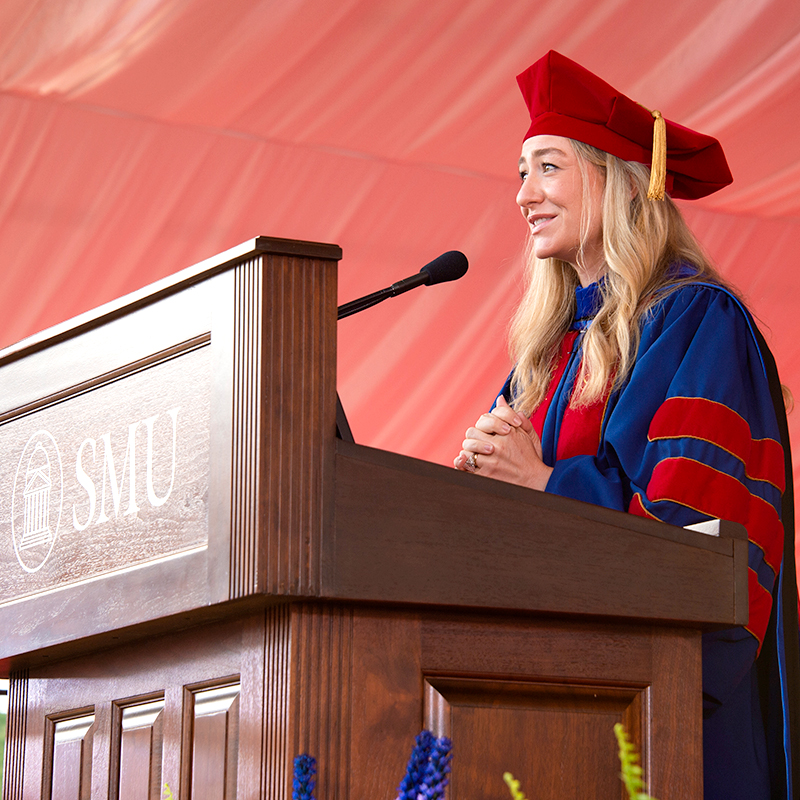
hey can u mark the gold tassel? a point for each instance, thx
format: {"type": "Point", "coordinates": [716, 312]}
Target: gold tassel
{"type": "Point", "coordinates": [658, 167]}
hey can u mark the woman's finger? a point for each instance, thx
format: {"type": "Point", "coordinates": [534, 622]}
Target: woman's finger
{"type": "Point", "coordinates": [472, 444]}
{"type": "Point", "coordinates": [468, 461]}
{"type": "Point", "coordinates": [503, 411]}
{"type": "Point", "coordinates": [493, 424]}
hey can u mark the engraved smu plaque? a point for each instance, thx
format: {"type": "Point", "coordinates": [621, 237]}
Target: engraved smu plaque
{"type": "Point", "coordinates": [111, 477]}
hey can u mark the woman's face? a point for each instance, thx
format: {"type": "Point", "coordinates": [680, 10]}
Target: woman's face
{"type": "Point", "coordinates": [552, 202]}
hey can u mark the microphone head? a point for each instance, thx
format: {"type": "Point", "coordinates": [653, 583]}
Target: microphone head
{"type": "Point", "coordinates": [449, 266]}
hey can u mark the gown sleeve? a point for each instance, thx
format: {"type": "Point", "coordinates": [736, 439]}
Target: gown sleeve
{"type": "Point", "coordinates": [691, 436]}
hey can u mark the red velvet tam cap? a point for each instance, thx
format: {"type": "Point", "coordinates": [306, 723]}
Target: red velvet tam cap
{"type": "Point", "coordinates": [564, 99]}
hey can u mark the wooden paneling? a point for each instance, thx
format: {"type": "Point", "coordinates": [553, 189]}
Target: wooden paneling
{"type": "Point", "coordinates": [284, 394]}
{"type": "Point", "coordinates": [321, 692]}
{"type": "Point", "coordinates": [143, 699]}
{"type": "Point", "coordinates": [537, 697]}
{"type": "Point", "coordinates": [676, 732]}
{"type": "Point", "coordinates": [16, 723]}
{"type": "Point", "coordinates": [215, 742]}
{"type": "Point", "coordinates": [223, 709]}
{"type": "Point", "coordinates": [246, 436]}
{"type": "Point", "coordinates": [422, 533]}
{"type": "Point", "coordinates": [140, 740]}
{"type": "Point", "coordinates": [387, 704]}
{"type": "Point", "coordinates": [528, 728]}
{"type": "Point", "coordinates": [276, 686]}
{"type": "Point", "coordinates": [299, 421]}
{"type": "Point", "coordinates": [69, 742]}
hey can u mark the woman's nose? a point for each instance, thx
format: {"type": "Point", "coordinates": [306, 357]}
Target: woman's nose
{"type": "Point", "coordinates": [530, 192]}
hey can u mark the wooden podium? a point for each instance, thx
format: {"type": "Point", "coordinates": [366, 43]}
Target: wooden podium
{"type": "Point", "coordinates": [198, 581]}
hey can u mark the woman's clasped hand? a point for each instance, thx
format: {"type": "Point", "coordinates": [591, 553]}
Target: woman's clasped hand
{"type": "Point", "coordinates": [503, 445]}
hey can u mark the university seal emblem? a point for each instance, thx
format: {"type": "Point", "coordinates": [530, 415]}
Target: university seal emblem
{"type": "Point", "coordinates": [37, 501]}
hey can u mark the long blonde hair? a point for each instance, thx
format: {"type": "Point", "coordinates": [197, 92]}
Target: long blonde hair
{"type": "Point", "coordinates": [642, 241]}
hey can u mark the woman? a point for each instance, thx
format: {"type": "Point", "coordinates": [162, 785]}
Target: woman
{"type": "Point", "coordinates": [640, 381]}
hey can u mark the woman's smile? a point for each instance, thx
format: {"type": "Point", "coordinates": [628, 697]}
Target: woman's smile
{"type": "Point", "coordinates": [537, 221]}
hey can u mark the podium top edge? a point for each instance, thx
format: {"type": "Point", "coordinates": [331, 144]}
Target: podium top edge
{"type": "Point", "coordinates": [260, 245]}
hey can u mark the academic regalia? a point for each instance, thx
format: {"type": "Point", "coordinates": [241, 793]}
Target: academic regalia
{"type": "Point", "coordinates": [690, 435]}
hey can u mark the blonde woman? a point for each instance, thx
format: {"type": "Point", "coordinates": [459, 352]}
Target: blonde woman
{"type": "Point", "coordinates": [640, 383]}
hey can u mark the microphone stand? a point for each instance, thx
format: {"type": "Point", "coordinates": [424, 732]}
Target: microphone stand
{"type": "Point", "coordinates": [447, 267]}
{"type": "Point", "coordinates": [354, 306]}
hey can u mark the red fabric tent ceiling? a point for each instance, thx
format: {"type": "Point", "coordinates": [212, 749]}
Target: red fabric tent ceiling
{"type": "Point", "coordinates": [139, 137]}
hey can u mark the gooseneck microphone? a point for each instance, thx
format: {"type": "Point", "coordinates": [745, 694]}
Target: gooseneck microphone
{"type": "Point", "coordinates": [449, 266]}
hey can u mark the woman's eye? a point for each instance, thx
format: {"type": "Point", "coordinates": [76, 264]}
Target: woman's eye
{"type": "Point", "coordinates": [522, 176]}
{"type": "Point", "coordinates": [546, 167]}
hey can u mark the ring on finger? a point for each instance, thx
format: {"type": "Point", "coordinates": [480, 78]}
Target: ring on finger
{"type": "Point", "coordinates": [472, 461]}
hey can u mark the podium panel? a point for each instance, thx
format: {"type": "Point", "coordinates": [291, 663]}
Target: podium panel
{"type": "Point", "coordinates": [131, 457]}
{"type": "Point", "coordinates": [219, 711]}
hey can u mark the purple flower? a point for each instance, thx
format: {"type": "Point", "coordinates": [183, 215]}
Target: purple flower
{"type": "Point", "coordinates": [428, 767]}
{"type": "Point", "coordinates": [410, 785]}
{"type": "Point", "coordinates": [305, 767]}
{"type": "Point", "coordinates": [435, 778]}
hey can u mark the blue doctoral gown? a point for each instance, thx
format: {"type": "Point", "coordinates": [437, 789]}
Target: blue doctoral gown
{"type": "Point", "coordinates": [691, 435]}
